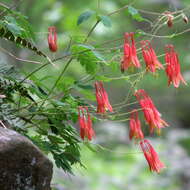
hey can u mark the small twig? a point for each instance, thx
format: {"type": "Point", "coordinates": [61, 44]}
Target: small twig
{"type": "Point", "coordinates": [17, 58]}
{"type": "Point", "coordinates": [90, 32]}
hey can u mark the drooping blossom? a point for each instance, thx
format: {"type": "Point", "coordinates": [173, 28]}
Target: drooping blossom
{"type": "Point", "coordinates": [151, 114]}
{"type": "Point", "coordinates": [52, 38]}
{"type": "Point", "coordinates": [151, 156]}
{"type": "Point", "coordinates": [185, 18]}
{"type": "Point", "coordinates": [135, 126]}
{"type": "Point", "coordinates": [130, 58]}
{"type": "Point", "coordinates": [173, 70]}
{"type": "Point", "coordinates": [85, 123]}
{"type": "Point", "coordinates": [150, 57]}
{"type": "Point", "coordinates": [170, 18]}
{"type": "Point", "coordinates": [102, 98]}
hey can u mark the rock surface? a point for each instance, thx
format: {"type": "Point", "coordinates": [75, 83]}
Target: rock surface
{"type": "Point", "coordinates": [22, 164]}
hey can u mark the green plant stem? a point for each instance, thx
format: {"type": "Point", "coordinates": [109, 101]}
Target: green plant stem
{"type": "Point", "coordinates": [48, 63]}
{"type": "Point", "coordinates": [90, 32]}
{"type": "Point", "coordinates": [34, 71]}
{"type": "Point", "coordinates": [56, 82]}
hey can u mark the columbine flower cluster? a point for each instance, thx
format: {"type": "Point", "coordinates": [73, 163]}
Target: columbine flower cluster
{"type": "Point", "coordinates": [85, 123]}
{"type": "Point", "coordinates": [151, 156]}
{"type": "Point", "coordinates": [152, 116]}
{"type": "Point", "coordinates": [173, 70]}
{"type": "Point", "coordinates": [135, 130]}
{"type": "Point", "coordinates": [102, 98]}
{"type": "Point", "coordinates": [150, 57]}
{"type": "Point", "coordinates": [153, 119]}
{"type": "Point", "coordinates": [130, 59]}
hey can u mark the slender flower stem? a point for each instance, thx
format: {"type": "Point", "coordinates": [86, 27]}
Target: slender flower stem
{"type": "Point", "coordinates": [102, 148]}
{"type": "Point", "coordinates": [56, 82]}
{"type": "Point", "coordinates": [34, 71]}
{"type": "Point", "coordinates": [90, 32]}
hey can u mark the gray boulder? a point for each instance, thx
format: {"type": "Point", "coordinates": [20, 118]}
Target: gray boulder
{"type": "Point", "coordinates": [22, 164]}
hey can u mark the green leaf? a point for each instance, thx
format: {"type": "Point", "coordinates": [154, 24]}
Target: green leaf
{"type": "Point", "coordinates": [84, 17]}
{"type": "Point", "coordinates": [135, 14]}
{"type": "Point", "coordinates": [22, 22]}
{"type": "Point", "coordinates": [11, 24]}
{"type": "Point", "coordinates": [7, 34]}
{"type": "Point", "coordinates": [27, 28]}
{"type": "Point", "coordinates": [132, 10]}
{"type": "Point", "coordinates": [88, 57]}
{"type": "Point", "coordinates": [106, 21]}
{"type": "Point", "coordinates": [55, 139]}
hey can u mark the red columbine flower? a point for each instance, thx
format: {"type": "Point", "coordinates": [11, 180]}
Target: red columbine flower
{"type": "Point", "coordinates": [130, 58]}
{"type": "Point", "coordinates": [173, 67]}
{"type": "Point", "coordinates": [151, 114]}
{"type": "Point", "coordinates": [135, 126]}
{"type": "Point", "coordinates": [85, 123]}
{"type": "Point", "coordinates": [52, 38]}
{"type": "Point", "coordinates": [150, 57]}
{"type": "Point", "coordinates": [170, 18]}
{"type": "Point", "coordinates": [102, 98]}
{"type": "Point", "coordinates": [151, 156]}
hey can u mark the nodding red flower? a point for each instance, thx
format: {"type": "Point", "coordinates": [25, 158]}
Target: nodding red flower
{"type": "Point", "coordinates": [170, 20]}
{"type": "Point", "coordinates": [173, 70]}
{"type": "Point", "coordinates": [52, 38]}
{"type": "Point", "coordinates": [102, 98]}
{"type": "Point", "coordinates": [85, 123]}
{"type": "Point", "coordinates": [150, 57]}
{"type": "Point", "coordinates": [135, 126]}
{"type": "Point", "coordinates": [130, 58]}
{"type": "Point", "coordinates": [151, 114]}
{"type": "Point", "coordinates": [151, 156]}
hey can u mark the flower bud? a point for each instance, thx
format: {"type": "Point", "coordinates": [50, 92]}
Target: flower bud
{"type": "Point", "coordinates": [170, 20]}
{"type": "Point", "coordinates": [185, 18]}
{"type": "Point", "coordinates": [52, 38]}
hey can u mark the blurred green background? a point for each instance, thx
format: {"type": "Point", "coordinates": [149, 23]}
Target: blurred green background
{"type": "Point", "coordinates": [118, 164]}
